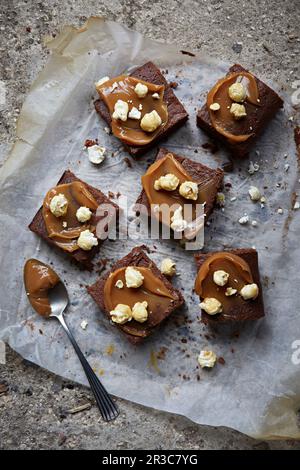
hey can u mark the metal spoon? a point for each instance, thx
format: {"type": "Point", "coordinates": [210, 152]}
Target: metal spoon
{"type": "Point", "coordinates": [59, 300]}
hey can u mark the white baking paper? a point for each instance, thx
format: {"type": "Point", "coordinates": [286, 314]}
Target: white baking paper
{"type": "Point", "coordinates": [257, 390]}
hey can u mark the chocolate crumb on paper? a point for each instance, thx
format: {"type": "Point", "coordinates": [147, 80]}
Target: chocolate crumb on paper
{"type": "Point", "coordinates": [191, 54]}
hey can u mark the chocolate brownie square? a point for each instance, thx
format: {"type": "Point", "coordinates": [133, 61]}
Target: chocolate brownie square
{"type": "Point", "coordinates": [198, 172]}
{"type": "Point", "coordinates": [248, 310]}
{"type": "Point", "coordinates": [137, 257]}
{"type": "Point", "coordinates": [269, 104]}
{"type": "Point", "coordinates": [80, 256]}
{"type": "Point", "coordinates": [177, 115]}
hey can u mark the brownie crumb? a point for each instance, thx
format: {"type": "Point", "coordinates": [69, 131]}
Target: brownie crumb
{"type": "Point", "coordinates": [221, 360]}
{"type": "Point", "coordinates": [191, 54]}
{"type": "Point", "coordinates": [173, 85]}
{"type": "Point", "coordinates": [227, 166]}
{"type": "Point", "coordinates": [162, 353]}
{"type": "Point", "coordinates": [90, 142]}
{"type": "Point", "coordinates": [211, 146]}
{"type": "Point", "coordinates": [128, 162]}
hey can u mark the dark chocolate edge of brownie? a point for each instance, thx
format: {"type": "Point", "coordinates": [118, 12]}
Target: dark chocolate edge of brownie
{"type": "Point", "coordinates": [133, 258]}
{"type": "Point", "coordinates": [218, 175]}
{"type": "Point", "coordinates": [37, 225]}
{"type": "Point", "coordinates": [102, 110]}
{"type": "Point", "coordinates": [241, 150]}
{"type": "Point", "coordinates": [250, 255]}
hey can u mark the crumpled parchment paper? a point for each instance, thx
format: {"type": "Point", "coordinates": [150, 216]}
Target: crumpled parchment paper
{"type": "Point", "coordinates": [257, 390]}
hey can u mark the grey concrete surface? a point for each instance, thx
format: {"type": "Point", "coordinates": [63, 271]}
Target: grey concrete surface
{"type": "Point", "coordinates": [262, 35]}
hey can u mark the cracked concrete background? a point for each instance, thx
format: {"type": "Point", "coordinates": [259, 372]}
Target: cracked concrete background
{"type": "Point", "coordinates": [36, 407]}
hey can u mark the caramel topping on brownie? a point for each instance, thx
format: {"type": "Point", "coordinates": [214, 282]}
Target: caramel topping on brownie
{"type": "Point", "coordinates": [136, 104]}
{"type": "Point", "coordinates": [168, 165]}
{"type": "Point", "coordinates": [66, 229]}
{"type": "Point", "coordinates": [236, 274]}
{"type": "Point", "coordinates": [39, 278]}
{"type": "Point", "coordinates": [234, 127]}
{"type": "Point", "coordinates": [152, 290]}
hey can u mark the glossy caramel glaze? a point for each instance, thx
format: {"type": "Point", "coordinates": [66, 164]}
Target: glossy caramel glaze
{"type": "Point", "coordinates": [77, 195]}
{"type": "Point", "coordinates": [239, 275]}
{"type": "Point", "coordinates": [153, 290]}
{"type": "Point", "coordinates": [130, 131]}
{"type": "Point", "coordinates": [163, 166]}
{"type": "Point", "coordinates": [39, 278]}
{"type": "Point", "coordinates": [222, 120]}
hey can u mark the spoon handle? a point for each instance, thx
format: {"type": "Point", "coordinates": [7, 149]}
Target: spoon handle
{"type": "Point", "coordinates": [107, 407]}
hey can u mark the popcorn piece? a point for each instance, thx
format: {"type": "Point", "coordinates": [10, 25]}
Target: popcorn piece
{"type": "Point", "coordinates": [151, 121]}
{"type": "Point", "coordinates": [220, 199]}
{"type": "Point", "coordinates": [230, 291]}
{"type": "Point", "coordinates": [119, 284]}
{"type": "Point", "coordinates": [87, 240]}
{"type": "Point", "coordinates": [237, 92]}
{"type": "Point", "coordinates": [83, 214]}
{"type": "Point", "coordinates": [254, 193]}
{"type": "Point", "coordinates": [215, 107]}
{"type": "Point", "coordinates": [120, 110]}
{"type": "Point", "coordinates": [121, 314]}
{"type": "Point", "coordinates": [168, 182]}
{"type": "Point", "coordinates": [155, 96]}
{"type": "Point", "coordinates": [280, 211]}
{"type": "Point", "coordinates": [263, 199]}
{"type": "Point", "coordinates": [249, 291]}
{"type": "Point", "coordinates": [140, 107]}
{"type": "Point", "coordinates": [133, 277]}
{"type": "Point", "coordinates": [238, 111]}
{"type": "Point", "coordinates": [254, 223]}
{"type": "Point", "coordinates": [253, 167]}
{"type": "Point", "coordinates": [114, 86]}
{"type": "Point", "coordinates": [96, 154]}
{"type": "Point", "coordinates": [134, 113]}
{"type": "Point", "coordinates": [296, 205]}
{"type": "Point", "coordinates": [168, 267]}
{"type": "Point", "coordinates": [64, 224]}
{"type": "Point", "coordinates": [244, 220]}
{"type": "Point", "coordinates": [101, 81]}
{"type": "Point", "coordinates": [178, 224]}
{"type": "Point", "coordinates": [141, 90]}
{"type": "Point", "coordinates": [140, 312]}
{"type": "Point", "coordinates": [59, 205]}
{"type": "Point", "coordinates": [211, 306]}
{"type": "Point", "coordinates": [84, 324]}
{"type": "Point", "coordinates": [189, 190]}
{"type": "Point", "coordinates": [207, 359]}
{"type": "Point", "coordinates": [220, 277]}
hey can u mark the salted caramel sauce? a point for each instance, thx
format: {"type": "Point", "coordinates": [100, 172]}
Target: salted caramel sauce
{"type": "Point", "coordinates": [39, 278]}
{"type": "Point", "coordinates": [239, 275]}
{"type": "Point", "coordinates": [222, 120]}
{"type": "Point", "coordinates": [163, 166]}
{"type": "Point", "coordinates": [130, 131]}
{"type": "Point", "coordinates": [77, 195]}
{"type": "Point", "coordinates": [153, 290]}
